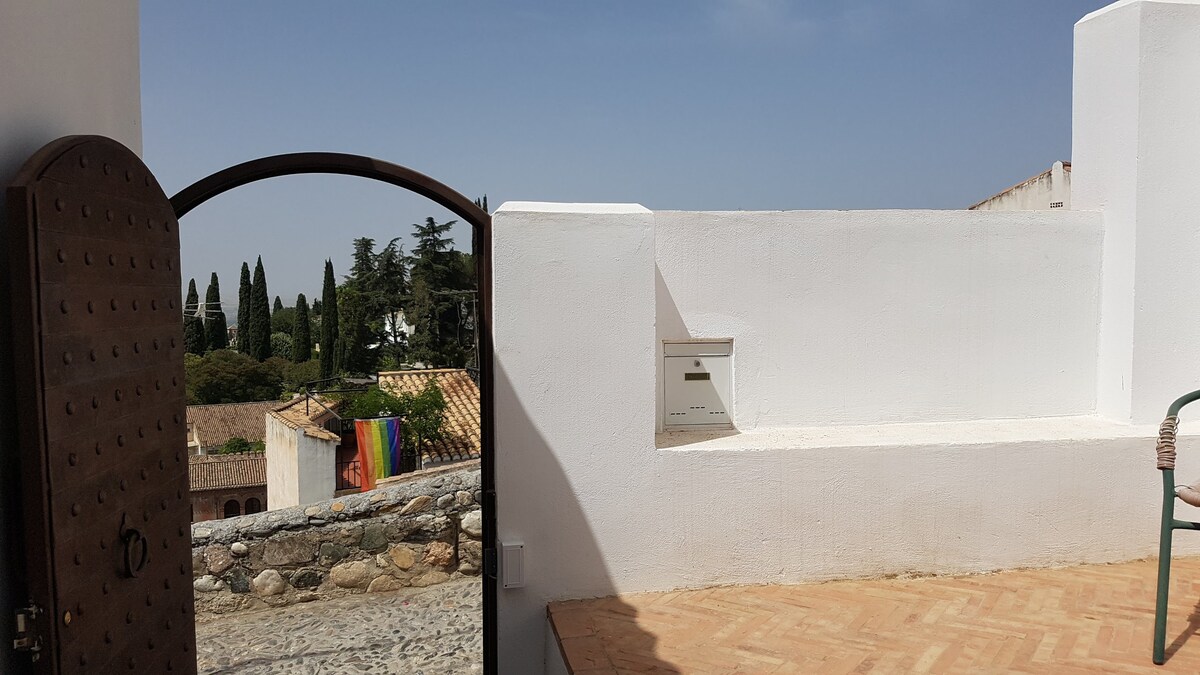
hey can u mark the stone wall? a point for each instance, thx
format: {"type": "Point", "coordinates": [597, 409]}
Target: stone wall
{"type": "Point", "coordinates": [420, 531]}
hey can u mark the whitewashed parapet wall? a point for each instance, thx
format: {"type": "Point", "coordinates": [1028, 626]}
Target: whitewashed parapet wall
{"type": "Point", "coordinates": [866, 317]}
{"type": "Point", "coordinates": [924, 392]}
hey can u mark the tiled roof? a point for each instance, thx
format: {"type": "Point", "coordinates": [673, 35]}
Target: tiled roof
{"type": "Point", "coordinates": [461, 427]}
{"type": "Point", "coordinates": [226, 472]}
{"type": "Point", "coordinates": [215, 424]}
{"type": "Point", "coordinates": [299, 413]}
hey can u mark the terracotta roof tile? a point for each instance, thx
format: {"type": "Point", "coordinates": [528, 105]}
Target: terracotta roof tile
{"type": "Point", "coordinates": [461, 427]}
{"type": "Point", "coordinates": [226, 472]}
{"type": "Point", "coordinates": [308, 417]}
{"type": "Point", "coordinates": [215, 424]}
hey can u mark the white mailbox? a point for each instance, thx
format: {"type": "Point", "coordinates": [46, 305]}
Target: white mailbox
{"type": "Point", "coordinates": [696, 384]}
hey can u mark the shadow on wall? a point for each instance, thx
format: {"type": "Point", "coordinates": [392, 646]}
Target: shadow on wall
{"type": "Point", "coordinates": [563, 559]}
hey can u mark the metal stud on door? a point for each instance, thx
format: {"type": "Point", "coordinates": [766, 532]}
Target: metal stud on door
{"type": "Point", "coordinates": [93, 249]}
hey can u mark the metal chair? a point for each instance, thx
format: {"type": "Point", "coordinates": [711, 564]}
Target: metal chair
{"type": "Point", "coordinates": [1189, 494]}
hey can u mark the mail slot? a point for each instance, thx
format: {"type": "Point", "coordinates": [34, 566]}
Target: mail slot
{"type": "Point", "coordinates": [697, 378]}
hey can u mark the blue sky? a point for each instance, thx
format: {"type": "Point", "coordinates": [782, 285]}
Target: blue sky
{"type": "Point", "coordinates": [674, 104]}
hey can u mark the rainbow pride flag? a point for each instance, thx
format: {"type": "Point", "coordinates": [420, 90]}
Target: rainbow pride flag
{"type": "Point", "coordinates": [378, 449]}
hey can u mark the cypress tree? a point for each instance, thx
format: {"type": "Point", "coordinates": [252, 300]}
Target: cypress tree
{"type": "Point", "coordinates": [215, 329]}
{"type": "Point", "coordinates": [277, 306]}
{"type": "Point", "coordinates": [193, 325]}
{"type": "Point", "coordinates": [243, 315]}
{"type": "Point", "coordinates": [260, 315]}
{"type": "Point", "coordinates": [329, 323]}
{"type": "Point", "coordinates": [301, 334]}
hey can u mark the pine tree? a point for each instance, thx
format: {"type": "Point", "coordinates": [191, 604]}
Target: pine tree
{"type": "Point", "coordinates": [216, 331]}
{"type": "Point", "coordinates": [390, 289]}
{"type": "Point", "coordinates": [363, 268]}
{"type": "Point", "coordinates": [244, 343]}
{"type": "Point", "coordinates": [260, 315]}
{"type": "Point", "coordinates": [329, 323]}
{"type": "Point", "coordinates": [193, 325]}
{"type": "Point", "coordinates": [436, 316]}
{"type": "Point", "coordinates": [277, 306]}
{"type": "Point", "coordinates": [301, 334]}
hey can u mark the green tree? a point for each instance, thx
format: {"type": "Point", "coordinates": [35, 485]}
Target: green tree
{"type": "Point", "coordinates": [301, 332]}
{"type": "Point", "coordinates": [283, 320]}
{"type": "Point", "coordinates": [216, 330]}
{"type": "Point", "coordinates": [277, 306]}
{"type": "Point", "coordinates": [239, 446]}
{"type": "Point", "coordinates": [438, 291]}
{"type": "Point", "coordinates": [225, 376]}
{"type": "Point", "coordinates": [423, 413]}
{"type": "Point", "coordinates": [260, 314]}
{"type": "Point", "coordinates": [355, 354]}
{"type": "Point", "coordinates": [389, 289]}
{"type": "Point", "coordinates": [193, 324]}
{"type": "Point", "coordinates": [243, 312]}
{"type": "Point", "coordinates": [281, 346]}
{"type": "Point", "coordinates": [363, 267]}
{"type": "Point", "coordinates": [296, 375]}
{"type": "Point", "coordinates": [329, 323]}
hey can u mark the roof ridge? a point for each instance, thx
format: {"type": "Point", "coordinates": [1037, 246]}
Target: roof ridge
{"type": "Point", "coordinates": [219, 405]}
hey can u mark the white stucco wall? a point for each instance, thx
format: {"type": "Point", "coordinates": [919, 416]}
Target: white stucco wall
{"type": "Point", "coordinates": [300, 468]}
{"type": "Point", "coordinates": [1050, 189]}
{"type": "Point", "coordinates": [603, 506]}
{"type": "Point", "coordinates": [863, 317]}
{"type": "Point", "coordinates": [574, 357]}
{"type": "Point", "coordinates": [1135, 143]}
{"type": "Point", "coordinates": [66, 67]}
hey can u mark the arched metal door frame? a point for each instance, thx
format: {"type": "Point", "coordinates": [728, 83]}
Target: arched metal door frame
{"type": "Point", "coordinates": [366, 167]}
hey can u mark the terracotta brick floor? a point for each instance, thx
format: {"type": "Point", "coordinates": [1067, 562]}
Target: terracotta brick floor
{"type": "Point", "coordinates": [1089, 619]}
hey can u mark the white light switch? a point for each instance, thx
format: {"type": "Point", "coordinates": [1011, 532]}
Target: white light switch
{"type": "Point", "coordinates": [512, 565]}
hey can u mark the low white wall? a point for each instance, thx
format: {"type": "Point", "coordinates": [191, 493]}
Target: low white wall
{"type": "Point", "coordinates": [861, 317]}
{"type": "Point", "coordinates": [300, 468]}
{"type": "Point", "coordinates": [975, 313]}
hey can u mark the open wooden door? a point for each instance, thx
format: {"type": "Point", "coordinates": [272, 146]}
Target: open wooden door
{"type": "Point", "coordinates": [93, 246]}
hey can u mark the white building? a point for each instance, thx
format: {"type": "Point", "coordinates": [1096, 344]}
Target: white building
{"type": "Point", "coordinates": [1050, 189]}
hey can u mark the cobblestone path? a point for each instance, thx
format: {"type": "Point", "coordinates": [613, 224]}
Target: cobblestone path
{"type": "Point", "coordinates": [418, 631]}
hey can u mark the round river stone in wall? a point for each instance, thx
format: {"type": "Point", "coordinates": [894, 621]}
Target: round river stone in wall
{"type": "Point", "coordinates": [239, 549]}
{"type": "Point", "coordinates": [385, 583]}
{"type": "Point", "coordinates": [354, 574]}
{"type": "Point", "coordinates": [208, 584]}
{"type": "Point", "coordinates": [268, 582]}
{"type": "Point", "coordinates": [472, 524]}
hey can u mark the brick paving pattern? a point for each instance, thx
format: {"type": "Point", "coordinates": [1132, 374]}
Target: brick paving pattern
{"type": "Point", "coordinates": [1089, 619]}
